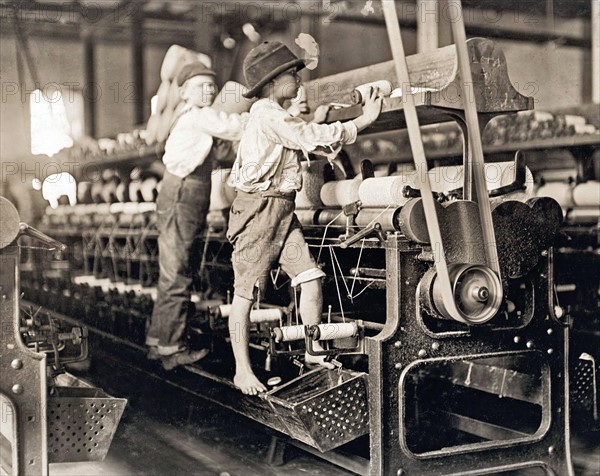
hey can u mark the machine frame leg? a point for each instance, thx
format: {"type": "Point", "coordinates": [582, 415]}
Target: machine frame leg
{"type": "Point", "coordinates": [23, 383]}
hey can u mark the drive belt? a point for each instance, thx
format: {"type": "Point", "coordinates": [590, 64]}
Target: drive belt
{"type": "Point", "coordinates": [474, 167]}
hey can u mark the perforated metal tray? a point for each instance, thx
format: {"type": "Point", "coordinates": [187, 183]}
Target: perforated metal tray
{"type": "Point", "coordinates": [81, 423]}
{"type": "Point", "coordinates": [584, 385]}
{"type": "Point", "coordinates": [323, 408]}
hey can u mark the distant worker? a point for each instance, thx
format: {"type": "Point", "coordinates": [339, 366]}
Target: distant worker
{"type": "Point", "coordinates": [182, 205]}
{"type": "Point", "coordinates": [266, 175]}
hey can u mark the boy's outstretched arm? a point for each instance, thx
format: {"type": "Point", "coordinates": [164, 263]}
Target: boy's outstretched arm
{"type": "Point", "coordinates": [221, 124]}
{"type": "Point", "coordinates": [371, 110]}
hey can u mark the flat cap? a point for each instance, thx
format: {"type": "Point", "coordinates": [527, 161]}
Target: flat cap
{"type": "Point", "coordinates": [193, 69]}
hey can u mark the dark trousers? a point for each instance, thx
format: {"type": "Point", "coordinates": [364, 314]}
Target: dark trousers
{"type": "Point", "coordinates": [181, 209]}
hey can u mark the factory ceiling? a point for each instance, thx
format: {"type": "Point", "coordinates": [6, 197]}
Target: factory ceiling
{"type": "Point", "coordinates": [111, 20]}
{"type": "Point", "coordinates": [168, 9]}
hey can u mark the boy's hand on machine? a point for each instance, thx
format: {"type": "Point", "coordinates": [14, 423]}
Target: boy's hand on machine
{"type": "Point", "coordinates": [372, 106]}
{"type": "Point", "coordinates": [370, 110]}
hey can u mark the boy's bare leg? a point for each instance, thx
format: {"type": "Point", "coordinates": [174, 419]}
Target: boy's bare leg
{"type": "Point", "coordinates": [311, 306]}
{"type": "Point", "coordinates": [239, 322]}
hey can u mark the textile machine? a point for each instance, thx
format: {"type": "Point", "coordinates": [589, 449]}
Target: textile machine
{"type": "Point", "coordinates": [48, 415]}
{"type": "Point", "coordinates": [450, 350]}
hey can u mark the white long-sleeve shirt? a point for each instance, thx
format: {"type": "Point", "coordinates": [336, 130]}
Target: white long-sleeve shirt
{"type": "Point", "coordinates": [268, 154]}
{"type": "Point", "coordinates": [191, 139]}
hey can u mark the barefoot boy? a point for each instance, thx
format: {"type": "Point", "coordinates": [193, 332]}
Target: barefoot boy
{"type": "Point", "coordinates": [262, 226]}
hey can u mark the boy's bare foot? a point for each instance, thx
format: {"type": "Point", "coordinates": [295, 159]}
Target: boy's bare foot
{"type": "Point", "coordinates": [248, 383]}
{"type": "Point", "coordinates": [317, 360]}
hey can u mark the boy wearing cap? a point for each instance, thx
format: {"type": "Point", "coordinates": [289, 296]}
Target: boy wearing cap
{"type": "Point", "coordinates": [181, 208]}
{"type": "Point", "coordinates": [266, 174]}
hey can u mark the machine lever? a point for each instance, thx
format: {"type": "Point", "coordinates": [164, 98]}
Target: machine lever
{"type": "Point", "coordinates": [374, 228]}
{"type": "Point", "coordinates": [300, 365]}
{"type": "Point", "coordinates": [519, 179]}
{"type": "Point", "coordinates": [366, 169]}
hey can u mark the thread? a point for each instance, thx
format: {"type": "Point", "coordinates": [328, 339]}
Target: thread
{"type": "Point", "coordinates": [116, 208]}
{"type": "Point", "coordinates": [266, 315]}
{"type": "Point", "coordinates": [340, 192]}
{"type": "Point", "coordinates": [256, 315]}
{"type": "Point", "coordinates": [172, 63]}
{"type": "Point", "coordinates": [313, 179]}
{"type": "Point", "coordinates": [388, 219]}
{"type": "Point", "coordinates": [381, 192]}
{"type": "Point", "coordinates": [497, 174]}
{"type": "Point", "coordinates": [148, 189]}
{"type": "Point", "coordinates": [162, 96]}
{"type": "Point", "coordinates": [146, 207]}
{"type": "Point", "coordinates": [307, 217]}
{"type": "Point", "coordinates": [289, 333]}
{"type": "Point", "coordinates": [383, 87]}
{"type": "Point", "coordinates": [80, 210]}
{"type": "Point", "coordinates": [537, 116]}
{"type": "Point", "coordinates": [331, 217]}
{"type": "Point", "coordinates": [122, 191]}
{"type": "Point", "coordinates": [96, 192]}
{"type": "Point", "coordinates": [163, 125]}
{"type": "Point", "coordinates": [583, 215]}
{"type": "Point", "coordinates": [84, 192]}
{"type": "Point", "coordinates": [335, 331]}
{"type": "Point", "coordinates": [385, 191]}
{"type": "Point", "coordinates": [178, 56]}
{"type": "Point", "coordinates": [131, 208]}
{"type": "Point", "coordinates": [587, 194]}
{"type": "Point", "coordinates": [584, 129]}
{"type": "Point", "coordinates": [231, 100]}
{"type": "Point", "coordinates": [152, 129]}
{"type": "Point", "coordinates": [571, 120]}
{"type": "Point", "coordinates": [446, 179]}
{"type": "Point", "coordinates": [109, 190]}
{"type": "Point", "coordinates": [168, 99]}
{"type": "Point", "coordinates": [559, 191]}
{"type": "Point", "coordinates": [173, 98]}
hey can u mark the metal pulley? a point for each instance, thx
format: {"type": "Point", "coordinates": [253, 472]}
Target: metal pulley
{"type": "Point", "coordinates": [476, 291]}
{"type": "Point", "coordinates": [9, 217]}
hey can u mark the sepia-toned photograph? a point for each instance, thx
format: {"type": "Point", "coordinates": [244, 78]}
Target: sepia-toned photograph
{"type": "Point", "coordinates": [299, 237]}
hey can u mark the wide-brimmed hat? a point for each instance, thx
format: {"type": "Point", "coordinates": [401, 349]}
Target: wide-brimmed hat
{"type": "Point", "coordinates": [265, 62]}
{"type": "Point", "coordinates": [193, 69]}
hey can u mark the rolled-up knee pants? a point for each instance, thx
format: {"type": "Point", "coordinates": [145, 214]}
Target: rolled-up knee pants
{"type": "Point", "coordinates": [264, 230]}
